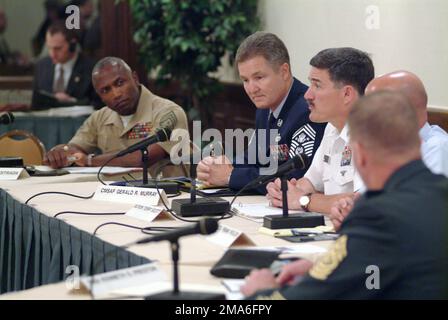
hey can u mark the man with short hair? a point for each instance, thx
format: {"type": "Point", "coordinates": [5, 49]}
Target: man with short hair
{"type": "Point", "coordinates": [264, 67]}
{"type": "Point", "coordinates": [64, 77]}
{"type": "Point", "coordinates": [132, 114]}
{"type": "Point", "coordinates": [338, 77]}
{"type": "Point", "coordinates": [393, 243]}
{"type": "Point", "coordinates": [434, 139]}
{"type": "Point", "coordinates": [434, 146]}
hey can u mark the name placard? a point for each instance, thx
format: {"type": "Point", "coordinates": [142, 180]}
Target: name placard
{"type": "Point", "coordinates": [13, 173]}
{"type": "Point", "coordinates": [132, 195]}
{"type": "Point", "coordinates": [123, 278]}
{"type": "Point", "coordinates": [229, 237]}
{"type": "Point", "coordinates": [148, 213]}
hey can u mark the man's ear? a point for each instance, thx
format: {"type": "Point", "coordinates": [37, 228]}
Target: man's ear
{"type": "Point", "coordinates": [350, 94]}
{"type": "Point", "coordinates": [135, 77]}
{"type": "Point", "coordinates": [285, 71]}
{"type": "Point", "coordinates": [360, 154]}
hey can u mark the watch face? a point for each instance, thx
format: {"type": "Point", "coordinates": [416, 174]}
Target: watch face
{"type": "Point", "coordinates": [304, 200]}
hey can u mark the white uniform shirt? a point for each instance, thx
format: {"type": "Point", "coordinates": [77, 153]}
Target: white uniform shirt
{"type": "Point", "coordinates": [332, 170]}
{"type": "Point", "coordinates": [435, 148]}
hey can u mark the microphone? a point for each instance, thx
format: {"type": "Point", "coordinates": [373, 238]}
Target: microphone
{"type": "Point", "coordinates": [204, 226]}
{"type": "Point", "coordinates": [160, 136]}
{"type": "Point", "coordinates": [299, 161]}
{"type": "Point", "coordinates": [7, 118]}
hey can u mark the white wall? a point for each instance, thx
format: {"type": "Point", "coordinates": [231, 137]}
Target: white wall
{"type": "Point", "coordinates": [24, 17]}
{"type": "Point", "coordinates": [412, 35]}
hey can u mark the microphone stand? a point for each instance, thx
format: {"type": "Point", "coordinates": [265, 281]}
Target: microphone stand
{"type": "Point", "coordinates": [145, 162]}
{"type": "Point", "coordinates": [198, 207]}
{"type": "Point", "coordinates": [168, 187]}
{"type": "Point", "coordinates": [290, 221]}
{"type": "Point", "coordinates": [176, 294]}
{"type": "Point", "coordinates": [284, 189]}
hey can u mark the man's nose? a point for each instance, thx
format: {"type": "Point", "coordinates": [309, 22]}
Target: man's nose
{"type": "Point", "coordinates": [309, 95]}
{"type": "Point", "coordinates": [117, 93]}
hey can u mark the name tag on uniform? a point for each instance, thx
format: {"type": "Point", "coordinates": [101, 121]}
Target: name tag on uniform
{"type": "Point", "coordinates": [327, 159]}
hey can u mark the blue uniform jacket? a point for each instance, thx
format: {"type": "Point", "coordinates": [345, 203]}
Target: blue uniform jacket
{"type": "Point", "coordinates": [296, 131]}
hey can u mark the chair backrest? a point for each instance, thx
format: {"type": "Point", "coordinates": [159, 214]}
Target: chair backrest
{"type": "Point", "coordinates": [19, 143]}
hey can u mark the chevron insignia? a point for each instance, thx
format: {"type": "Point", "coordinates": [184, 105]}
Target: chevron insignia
{"type": "Point", "coordinates": [303, 141]}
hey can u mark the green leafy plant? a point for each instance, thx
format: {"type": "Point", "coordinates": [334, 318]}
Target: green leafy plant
{"type": "Point", "coordinates": [185, 40]}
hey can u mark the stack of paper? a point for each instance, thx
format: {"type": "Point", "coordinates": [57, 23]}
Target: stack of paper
{"type": "Point", "coordinates": [257, 211]}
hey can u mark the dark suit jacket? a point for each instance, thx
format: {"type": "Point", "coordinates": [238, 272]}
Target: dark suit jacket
{"type": "Point", "coordinates": [297, 132]}
{"type": "Point", "coordinates": [79, 86]}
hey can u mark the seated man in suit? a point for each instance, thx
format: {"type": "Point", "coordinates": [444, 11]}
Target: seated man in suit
{"type": "Point", "coordinates": [132, 114]}
{"type": "Point", "coordinates": [393, 243]}
{"type": "Point", "coordinates": [64, 77]}
{"type": "Point", "coordinates": [264, 66]}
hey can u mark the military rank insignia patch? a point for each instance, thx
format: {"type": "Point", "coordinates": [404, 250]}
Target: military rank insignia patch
{"type": "Point", "coordinates": [325, 266]}
{"type": "Point", "coordinates": [140, 130]}
{"type": "Point", "coordinates": [274, 296]}
{"type": "Point", "coordinates": [302, 141]}
{"type": "Point", "coordinates": [346, 159]}
{"type": "Point", "coordinates": [168, 120]}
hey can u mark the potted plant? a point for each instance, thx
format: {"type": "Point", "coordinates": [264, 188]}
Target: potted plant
{"type": "Point", "coordinates": [185, 41]}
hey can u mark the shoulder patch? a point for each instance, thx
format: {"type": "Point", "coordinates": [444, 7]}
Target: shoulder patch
{"type": "Point", "coordinates": [168, 120]}
{"type": "Point", "coordinates": [325, 266]}
{"type": "Point", "coordinates": [302, 141]}
{"type": "Point", "coordinates": [274, 296]}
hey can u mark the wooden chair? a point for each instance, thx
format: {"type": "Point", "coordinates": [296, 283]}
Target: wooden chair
{"type": "Point", "coordinates": [20, 143]}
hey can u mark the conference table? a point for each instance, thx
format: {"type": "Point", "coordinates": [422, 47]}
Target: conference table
{"type": "Point", "coordinates": [36, 247]}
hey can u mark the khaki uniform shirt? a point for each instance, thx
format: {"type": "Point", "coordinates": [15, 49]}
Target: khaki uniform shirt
{"type": "Point", "coordinates": [104, 129]}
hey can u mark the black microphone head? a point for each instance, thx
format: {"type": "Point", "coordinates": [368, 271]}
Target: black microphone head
{"type": "Point", "coordinates": [163, 134]}
{"type": "Point", "coordinates": [207, 226]}
{"type": "Point", "coordinates": [300, 161]}
{"type": "Point", "coordinates": [7, 118]}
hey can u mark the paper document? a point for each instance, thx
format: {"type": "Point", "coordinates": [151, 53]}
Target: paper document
{"type": "Point", "coordinates": [258, 211]}
{"type": "Point", "coordinates": [105, 171]}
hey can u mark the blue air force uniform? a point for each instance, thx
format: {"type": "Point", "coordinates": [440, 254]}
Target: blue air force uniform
{"type": "Point", "coordinates": [393, 245]}
{"type": "Point", "coordinates": [296, 135]}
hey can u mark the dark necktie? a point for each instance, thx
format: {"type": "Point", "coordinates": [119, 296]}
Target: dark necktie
{"type": "Point", "coordinates": [59, 86]}
{"type": "Point", "coordinates": [271, 125]}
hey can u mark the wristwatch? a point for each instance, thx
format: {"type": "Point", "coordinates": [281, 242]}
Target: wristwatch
{"type": "Point", "coordinates": [89, 159]}
{"type": "Point", "coordinates": [304, 202]}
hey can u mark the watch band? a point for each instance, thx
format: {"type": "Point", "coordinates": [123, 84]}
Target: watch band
{"type": "Point", "coordinates": [305, 207]}
{"type": "Point", "coordinates": [89, 159]}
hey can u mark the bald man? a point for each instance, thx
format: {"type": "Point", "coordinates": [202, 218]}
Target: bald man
{"type": "Point", "coordinates": [393, 243]}
{"type": "Point", "coordinates": [132, 114]}
{"type": "Point", "coordinates": [434, 139]}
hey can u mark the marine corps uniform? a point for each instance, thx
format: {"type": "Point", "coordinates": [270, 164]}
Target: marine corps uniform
{"type": "Point", "coordinates": [393, 245]}
{"type": "Point", "coordinates": [104, 129]}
